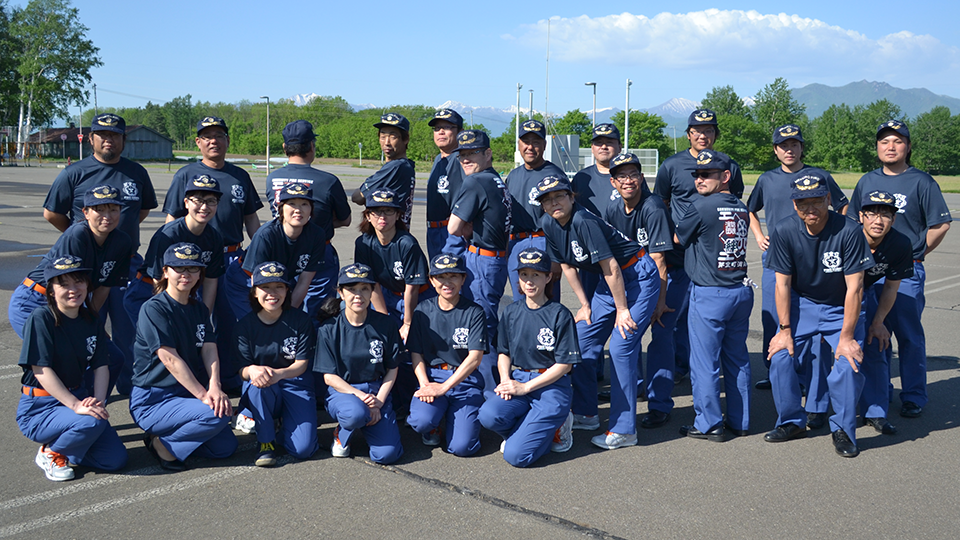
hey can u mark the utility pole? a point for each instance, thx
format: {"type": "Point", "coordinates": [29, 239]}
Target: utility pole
{"type": "Point", "coordinates": [96, 111]}
{"type": "Point", "coordinates": [268, 132]}
{"type": "Point", "coordinates": [626, 120]}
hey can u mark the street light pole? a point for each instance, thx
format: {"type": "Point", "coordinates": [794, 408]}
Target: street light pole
{"type": "Point", "coordinates": [531, 104]}
{"type": "Point", "coordinates": [626, 121]}
{"type": "Point", "coordinates": [268, 132]}
{"type": "Point", "coordinates": [594, 85]}
{"type": "Point", "coordinates": [516, 138]}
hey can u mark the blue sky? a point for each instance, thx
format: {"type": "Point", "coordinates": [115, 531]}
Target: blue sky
{"type": "Point", "coordinates": [476, 52]}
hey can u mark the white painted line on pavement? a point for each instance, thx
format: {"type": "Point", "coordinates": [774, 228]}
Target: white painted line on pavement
{"type": "Point", "coordinates": [938, 289]}
{"type": "Point", "coordinates": [948, 278]}
{"type": "Point", "coordinates": [11, 375]}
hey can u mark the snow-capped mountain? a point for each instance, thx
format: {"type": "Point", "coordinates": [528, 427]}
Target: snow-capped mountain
{"type": "Point", "coordinates": [302, 99]}
{"type": "Point", "coordinates": [676, 107]}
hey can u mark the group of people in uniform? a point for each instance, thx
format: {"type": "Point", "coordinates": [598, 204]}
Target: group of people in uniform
{"type": "Point", "coordinates": [402, 334]}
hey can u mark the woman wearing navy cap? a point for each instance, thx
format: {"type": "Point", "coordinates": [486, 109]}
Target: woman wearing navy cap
{"type": "Point", "coordinates": [358, 351]}
{"type": "Point", "coordinates": [275, 344]}
{"type": "Point", "coordinates": [176, 395]}
{"type": "Point", "coordinates": [62, 341]}
{"type": "Point", "coordinates": [620, 309]}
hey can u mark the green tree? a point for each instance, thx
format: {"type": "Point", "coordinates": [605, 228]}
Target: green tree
{"type": "Point", "coordinates": [834, 141]}
{"type": "Point", "coordinates": [867, 119]}
{"type": "Point", "coordinates": [646, 131]}
{"type": "Point", "coordinates": [723, 100]}
{"type": "Point", "coordinates": [774, 106]}
{"type": "Point", "coordinates": [745, 141]}
{"type": "Point", "coordinates": [8, 69]}
{"type": "Point", "coordinates": [181, 121]}
{"type": "Point", "coordinates": [575, 123]}
{"type": "Point", "coordinates": [934, 141]}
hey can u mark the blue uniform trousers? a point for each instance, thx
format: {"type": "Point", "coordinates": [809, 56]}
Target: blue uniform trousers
{"type": "Point", "coordinates": [815, 374]}
{"type": "Point", "coordinates": [436, 240]}
{"type": "Point", "coordinates": [875, 399]}
{"type": "Point", "coordinates": [528, 423]}
{"type": "Point", "coordinates": [123, 331]}
{"type": "Point", "coordinates": [137, 293]}
{"type": "Point", "coordinates": [719, 321]}
{"type": "Point", "coordinates": [768, 305]}
{"type": "Point", "coordinates": [642, 285]}
{"type": "Point", "coordinates": [455, 245]}
{"type": "Point", "coordinates": [383, 438]}
{"type": "Point", "coordinates": [183, 423]}
{"type": "Point", "coordinates": [515, 247]}
{"type": "Point", "coordinates": [810, 319]}
{"type": "Point", "coordinates": [231, 305]}
{"type": "Point", "coordinates": [85, 440]}
{"type": "Point", "coordinates": [904, 322]}
{"type": "Point", "coordinates": [461, 405]}
{"type": "Point", "coordinates": [486, 279]}
{"type": "Point", "coordinates": [589, 282]}
{"type": "Point", "coordinates": [324, 284]}
{"type": "Point", "coordinates": [681, 338]}
{"type": "Point", "coordinates": [293, 402]}
{"type": "Point", "coordinates": [661, 353]}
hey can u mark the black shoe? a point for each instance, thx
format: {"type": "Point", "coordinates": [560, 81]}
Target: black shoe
{"type": "Point", "coordinates": [881, 425]}
{"type": "Point", "coordinates": [736, 432]}
{"type": "Point", "coordinates": [641, 391]}
{"type": "Point", "coordinates": [714, 434]}
{"type": "Point", "coordinates": [654, 419]}
{"type": "Point", "coordinates": [785, 432]}
{"type": "Point", "coordinates": [763, 384]}
{"type": "Point", "coordinates": [844, 445]}
{"type": "Point", "coordinates": [603, 395]}
{"type": "Point", "coordinates": [910, 410]}
{"type": "Point", "coordinates": [816, 420]}
{"type": "Point", "coordinates": [172, 466]}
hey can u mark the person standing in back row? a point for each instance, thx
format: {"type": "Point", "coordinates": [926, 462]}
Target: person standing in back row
{"type": "Point", "coordinates": [446, 176]}
{"type": "Point", "coordinates": [398, 173]}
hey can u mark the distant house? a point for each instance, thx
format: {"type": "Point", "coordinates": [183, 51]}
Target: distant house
{"type": "Point", "coordinates": [142, 143]}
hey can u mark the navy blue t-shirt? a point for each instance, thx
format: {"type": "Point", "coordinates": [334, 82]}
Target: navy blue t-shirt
{"type": "Point", "coordinates": [109, 263]}
{"type": "Point", "coordinates": [538, 338]}
{"type": "Point", "coordinates": [401, 262]}
{"type": "Point", "coordinates": [484, 201]}
{"type": "Point", "coordinates": [209, 241]}
{"type": "Point", "coordinates": [68, 349]}
{"type": "Point", "coordinates": [586, 240]}
{"type": "Point", "coordinates": [522, 185]}
{"type": "Point", "coordinates": [714, 235]}
{"type": "Point", "coordinates": [819, 263]}
{"type": "Point", "coordinates": [164, 322]}
{"type": "Point", "coordinates": [136, 191]}
{"type": "Point", "coordinates": [399, 176]}
{"type": "Point", "coordinates": [443, 186]}
{"type": "Point", "coordinates": [651, 221]}
{"type": "Point", "coordinates": [772, 194]}
{"type": "Point", "coordinates": [920, 203]}
{"type": "Point", "coordinates": [358, 354]}
{"type": "Point", "coordinates": [329, 199]}
{"type": "Point", "coordinates": [675, 182]}
{"type": "Point", "coordinates": [446, 337]}
{"type": "Point", "coordinates": [278, 345]}
{"type": "Point", "coordinates": [239, 198]}
{"type": "Point", "coordinates": [594, 190]}
{"type": "Point", "coordinates": [893, 258]}
{"type": "Point", "coordinates": [270, 243]}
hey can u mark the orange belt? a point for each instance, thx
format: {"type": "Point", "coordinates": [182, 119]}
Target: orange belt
{"type": "Point", "coordinates": [542, 370]}
{"type": "Point", "coordinates": [145, 278]}
{"type": "Point", "coordinates": [446, 367]}
{"type": "Point", "coordinates": [35, 392]}
{"type": "Point", "coordinates": [232, 248]}
{"type": "Point", "coordinates": [435, 224]}
{"type": "Point", "coordinates": [633, 260]}
{"type": "Point", "coordinates": [521, 236]}
{"type": "Point", "coordinates": [423, 288]}
{"type": "Point", "coordinates": [486, 252]}
{"type": "Point", "coordinates": [34, 286]}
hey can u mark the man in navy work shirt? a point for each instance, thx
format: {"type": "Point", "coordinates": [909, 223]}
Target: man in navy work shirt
{"type": "Point", "coordinates": [924, 217]}
{"type": "Point", "coordinates": [330, 207]}
{"type": "Point", "coordinates": [522, 184]}
{"type": "Point", "coordinates": [714, 233]}
{"type": "Point", "coordinates": [446, 176]}
{"type": "Point", "coordinates": [820, 256]}
{"type": "Point", "coordinates": [398, 173]}
{"type": "Point", "coordinates": [592, 184]}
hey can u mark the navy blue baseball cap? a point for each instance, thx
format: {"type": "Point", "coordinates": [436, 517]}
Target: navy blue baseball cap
{"type": "Point", "coordinates": [355, 273]}
{"type": "Point", "coordinates": [203, 182]}
{"type": "Point", "coordinates": [702, 117]}
{"type": "Point", "coordinates": [893, 125]}
{"type": "Point", "coordinates": [294, 191]}
{"type": "Point", "coordinates": [534, 259]}
{"type": "Point", "coordinates": [623, 160]}
{"type": "Point", "coordinates": [533, 126]}
{"type": "Point", "coordinates": [712, 160]}
{"type": "Point", "coordinates": [269, 272]}
{"type": "Point", "coordinates": [609, 131]}
{"type": "Point", "coordinates": [549, 184]}
{"type": "Point", "coordinates": [298, 132]}
{"type": "Point", "coordinates": [211, 121]}
{"type": "Point", "coordinates": [101, 195]}
{"type": "Point", "coordinates": [393, 120]}
{"type": "Point", "coordinates": [108, 122]}
{"type": "Point", "coordinates": [809, 186]}
{"type": "Point", "coordinates": [182, 254]}
{"type": "Point", "coordinates": [472, 139]}
{"type": "Point", "coordinates": [448, 115]}
{"type": "Point", "coordinates": [445, 263]}
{"type": "Point", "coordinates": [879, 198]}
{"type": "Point", "coordinates": [383, 198]}
{"type": "Point", "coordinates": [787, 132]}
{"type": "Point", "coordinates": [66, 264]}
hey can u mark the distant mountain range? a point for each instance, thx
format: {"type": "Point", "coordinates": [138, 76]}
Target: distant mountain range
{"type": "Point", "coordinates": [816, 97]}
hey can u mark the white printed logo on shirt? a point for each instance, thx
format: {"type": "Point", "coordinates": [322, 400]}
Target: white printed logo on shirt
{"type": "Point", "coordinates": [545, 339]}
{"type": "Point", "coordinates": [831, 262]}
{"type": "Point", "coordinates": [376, 351]}
{"type": "Point", "coordinates": [614, 195]}
{"type": "Point", "coordinates": [901, 202]}
{"type": "Point", "coordinates": [734, 238]}
{"type": "Point", "coordinates": [130, 191]}
{"type": "Point", "coordinates": [303, 261]}
{"type": "Point", "coordinates": [398, 270]}
{"type": "Point", "coordinates": [201, 334]}
{"type": "Point", "coordinates": [578, 253]}
{"type": "Point", "coordinates": [878, 269]}
{"type": "Point", "coordinates": [289, 348]}
{"type": "Point", "coordinates": [532, 197]}
{"type": "Point", "coordinates": [206, 256]}
{"type": "Point", "coordinates": [443, 185]}
{"type": "Point", "coordinates": [106, 269]}
{"type": "Point", "coordinates": [237, 192]}
{"type": "Point", "coordinates": [642, 237]}
{"type": "Point", "coordinates": [91, 347]}
{"type": "Point", "coordinates": [460, 337]}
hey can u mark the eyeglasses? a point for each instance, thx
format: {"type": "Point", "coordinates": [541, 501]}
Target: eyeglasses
{"type": "Point", "coordinates": [210, 202]}
{"type": "Point", "coordinates": [444, 128]}
{"type": "Point", "coordinates": [873, 216]}
{"type": "Point", "coordinates": [708, 132]}
{"type": "Point", "coordinates": [704, 174]}
{"type": "Point", "coordinates": [624, 177]}
{"type": "Point", "coordinates": [383, 212]}
{"type": "Point", "coordinates": [553, 199]}
{"type": "Point", "coordinates": [213, 136]}
{"type": "Point", "coordinates": [807, 206]}
{"type": "Point", "coordinates": [469, 155]}
{"type": "Point", "coordinates": [186, 269]}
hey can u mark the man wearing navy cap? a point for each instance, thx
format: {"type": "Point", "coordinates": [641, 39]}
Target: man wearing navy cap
{"type": "Point", "coordinates": [592, 184]}
{"type": "Point", "coordinates": [819, 257]}
{"type": "Point", "coordinates": [330, 207]}
{"type": "Point", "coordinates": [522, 185]}
{"type": "Point", "coordinates": [446, 176]}
{"type": "Point", "coordinates": [398, 173]}
{"type": "Point", "coordinates": [924, 217]}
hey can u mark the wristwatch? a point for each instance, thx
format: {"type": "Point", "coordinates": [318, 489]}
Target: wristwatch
{"type": "Point", "coordinates": [784, 326]}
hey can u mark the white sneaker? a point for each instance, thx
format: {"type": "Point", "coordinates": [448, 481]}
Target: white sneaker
{"type": "Point", "coordinates": [612, 441]}
{"type": "Point", "coordinates": [54, 465]}
{"type": "Point", "coordinates": [432, 438]}
{"type": "Point", "coordinates": [563, 438]}
{"type": "Point", "coordinates": [339, 450]}
{"type": "Point", "coordinates": [503, 445]}
{"type": "Point", "coordinates": [588, 423]}
{"type": "Point", "coordinates": [245, 424]}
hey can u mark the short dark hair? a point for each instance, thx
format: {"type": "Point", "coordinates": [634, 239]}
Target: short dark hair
{"type": "Point", "coordinates": [298, 149]}
{"type": "Point", "coordinates": [366, 227]}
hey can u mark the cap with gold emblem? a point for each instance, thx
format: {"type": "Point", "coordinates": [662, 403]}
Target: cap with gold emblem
{"type": "Point", "coordinates": [355, 273]}
{"type": "Point", "coordinates": [383, 198]}
{"type": "Point", "coordinates": [212, 121]}
{"type": "Point", "coordinates": [533, 126]}
{"type": "Point", "coordinates": [269, 272]}
{"type": "Point", "coordinates": [472, 139]}
{"type": "Point", "coordinates": [787, 132]}
{"type": "Point", "coordinates": [549, 184]}
{"type": "Point", "coordinates": [182, 254]}
{"type": "Point", "coordinates": [448, 115]}
{"type": "Point", "coordinates": [712, 160]}
{"type": "Point", "coordinates": [66, 264]}
{"type": "Point", "coordinates": [702, 117]}
{"type": "Point", "coordinates": [445, 263]}
{"type": "Point", "coordinates": [534, 259]}
{"type": "Point", "coordinates": [102, 195]}
{"type": "Point", "coordinates": [393, 120]}
{"type": "Point", "coordinates": [893, 125]}
{"type": "Point", "coordinates": [623, 160]}
{"type": "Point", "coordinates": [879, 198]}
{"type": "Point", "coordinates": [108, 122]}
{"type": "Point", "coordinates": [809, 186]}
{"type": "Point", "coordinates": [294, 191]}
{"type": "Point", "coordinates": [609, 131]}
{"type": "Point", "coordinates": [203, 182]}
